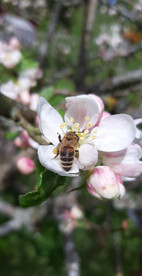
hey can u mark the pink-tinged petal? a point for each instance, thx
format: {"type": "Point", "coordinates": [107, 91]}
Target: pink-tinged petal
{"type": "Point", "coordinates": [127, 156]}
{"type": "Point", "coordinates": [126, 162]}
{"type": "Point", "coordinates": [105, 115]}
{"type": "Point", "coordinates": [79, 107]}
{"type": "Point", "coordinates": [128, 170]}
{"type": "Point", "coordinates": [88, 156]}
{"type": "Point", "coordinates": [93, 192]}
{"type": "Point", "coordinates": [49, 121]}
{"type": "Point", "coordinates": [105, 183]}
{"type": "Point", "coordinates": [46, 155]}
{"type": "Point", "coordinates": [115, 133]}
{"type": "Point", "coordinates": [100, 103]}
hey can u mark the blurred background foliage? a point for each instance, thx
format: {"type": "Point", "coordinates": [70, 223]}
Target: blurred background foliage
{"type": "Point", "coordinates": [107, 239]}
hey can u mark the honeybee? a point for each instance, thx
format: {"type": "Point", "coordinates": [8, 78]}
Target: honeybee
{"type": "Point", "coordinates": [67, 149]}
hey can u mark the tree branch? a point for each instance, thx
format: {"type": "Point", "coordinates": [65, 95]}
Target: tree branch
{"type": "Point", "coordinates": [51, 28]}
{"type": "Point", "coordinates": [90, 7]}
{"type": "Point", "coordinates": [19, 217]}
{"type": "Point", "coordinates": [121, 81]}
{"type": "Point", "coordinates": [22, 116]}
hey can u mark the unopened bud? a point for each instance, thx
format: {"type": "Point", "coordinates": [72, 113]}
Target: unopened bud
{"type": "Point", "coordinates": [105, 184]}
{"type": "Point", "coordinates": [25, 165]}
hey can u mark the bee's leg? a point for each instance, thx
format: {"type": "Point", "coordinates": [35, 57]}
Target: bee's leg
{"type": "Point", "coordinates": [77, 153]}
{"type": "Point", "coordinates": [59, 137]}
{"type": "Point", "coordinates": [55, 151]}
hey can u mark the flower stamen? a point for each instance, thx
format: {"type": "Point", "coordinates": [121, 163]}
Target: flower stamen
{"type": "Point", "coordinates": [71, 119]}
{"type": "Point", "coordinates": [89, 125]}
{"type": "Point", "coordinates": [76, 126]}
{"type": "Point", "coordinates": [86, 118]}
{"type": "Point", "coordinates": [63, 125]}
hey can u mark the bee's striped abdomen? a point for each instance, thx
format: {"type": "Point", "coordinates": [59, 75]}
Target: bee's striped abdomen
{"type": "Point", "coordinates": [67, 158]}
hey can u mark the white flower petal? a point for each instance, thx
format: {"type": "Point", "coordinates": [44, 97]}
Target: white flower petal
{"type": "Point", "coordinates": [88, 155]}
{"type": "Point", "coordinates": [138, 131]}
{"type": "Point", "coordinates": [49, 121]}
{"type": "Point", "coordinates": [115, 133]}
{"type": "Point", "coordinates": [121, 190]}
{"type": "Point", "coordinates": [79, 107]}
{"type": "Point", "coordinates": [128, 179]}
{"type": "Point", "coordinates": [46, 155]}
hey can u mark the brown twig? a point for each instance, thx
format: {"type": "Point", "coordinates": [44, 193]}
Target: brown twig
{"type": "Point", "coordinates": [22, 116]}
{"type": "Point", "coordinates": [89, 17]}
{"type": "Point", "coordinates": [20, 217]}
{"type": "Point", "coordinates": [51, 28]}
{"type": "Point", "coordinates": [118, 82]}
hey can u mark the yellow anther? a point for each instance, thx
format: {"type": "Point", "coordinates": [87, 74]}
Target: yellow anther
{"type": "Point", "coordinates": [80, 135]}
{"type": "Point", "coordinates": [71, 119]}
{"type": "Point", "coordinates": [86, 131]}
{"type": "Point", "coordinates": [87, 118]}
{"type": "Point", "coordinates": [76, 125]}
{"type": "Point", "coordinates": [63, 125]}
{"type": "Point", "coordinates": [95, 130]}
{"type": "Point", "coordinates": [94, 136]}
{"type": "Point", "coordinates": [55, 150]}
{"type": "Point", "coordinates": [89, 124]}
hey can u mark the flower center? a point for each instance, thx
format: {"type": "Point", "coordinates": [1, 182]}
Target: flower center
{"type": "Point", "coordinates": [83, 131]}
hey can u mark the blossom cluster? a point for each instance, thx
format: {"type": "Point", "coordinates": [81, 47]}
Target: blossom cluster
{"type": "Point", "coordinates": [20, 89]}
{"type": "Point", "coordinates": [10, 54]}
{"type": "Point", "coordinates": [110, 146]}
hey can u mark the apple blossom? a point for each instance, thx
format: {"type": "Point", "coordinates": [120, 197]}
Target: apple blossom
{"type": "Point", "coordinates": [18, 91]}
{"type": "Point", "coordinates": [10, 90]}
{"type": "Point", "coordinates": [83, 116]}
{"type": "Point", "coordinates": [105, 184]}
{"type": "Point", "coordinates": [9, 56]}
{"type": "Point", "coordinates": [25, 165]}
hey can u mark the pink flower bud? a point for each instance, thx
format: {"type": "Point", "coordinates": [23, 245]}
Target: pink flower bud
{"type": "Point", "coordinates": [25, 165]}
{"type": "Point", "coordinates": [105, 184]}
{"type": "Point", "coordinates": [22, 141]}
{"type": "Point", "coordinates": [18, 142]}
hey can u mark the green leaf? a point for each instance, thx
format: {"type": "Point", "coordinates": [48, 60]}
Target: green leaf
{"type": "Point", "coordinates": [11, 135]}
{"type": "Point", "coordinates": [61, 112]}
{"type": "Point", "coordinates": [57, 100]}
{"type": "Point", "coordinates": [47, 182]}
{"type": "Point", "coordinates": [65, 84]}
{"type": "Point", "coordinates": [47, 92]}
{"type": "Point", "coordinates": [27, 63]}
